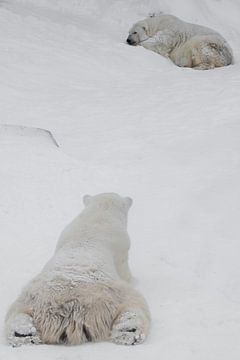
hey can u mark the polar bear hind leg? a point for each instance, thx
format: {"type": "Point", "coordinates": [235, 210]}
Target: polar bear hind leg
{"type": "Point", "coordinates": [20, 329]}
{"type": "Point", "coordinates": [132, 324]}
{"type": "Point", "coordinates": [209, 52]}
{"type": "Point", "coordinates": [182, 56]}
{"type": "Point", "coordinates": [129, 328]}
{"type": "Point", "coordinates": [202, 52]}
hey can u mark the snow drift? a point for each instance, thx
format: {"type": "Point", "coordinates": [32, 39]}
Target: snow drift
{"type": "Point", "coordinates": [128, 121]}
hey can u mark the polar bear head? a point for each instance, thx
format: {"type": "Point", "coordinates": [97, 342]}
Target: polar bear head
{"type": "Point", "coordinates": [108, 201]}
{"type": "Point", "coordinates": [138, 33]}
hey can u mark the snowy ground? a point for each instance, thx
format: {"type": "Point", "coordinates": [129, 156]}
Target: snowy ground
{"type": "Point", "coordinates": [129, 121]}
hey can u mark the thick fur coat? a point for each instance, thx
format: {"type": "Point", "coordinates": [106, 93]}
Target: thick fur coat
{"type": "Point", "coordinates": [186, 44]}
{"type": "Point", "coordinates": [84, 292]}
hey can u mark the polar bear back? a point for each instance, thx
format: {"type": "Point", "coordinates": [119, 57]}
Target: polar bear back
{"type": "Point", "coordinates": [175, 25]}
{"type": "Point", "coordinates": [95, 242]}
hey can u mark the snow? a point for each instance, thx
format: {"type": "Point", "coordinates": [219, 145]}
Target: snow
{"type": "Point", "coordinates": [127, 120]}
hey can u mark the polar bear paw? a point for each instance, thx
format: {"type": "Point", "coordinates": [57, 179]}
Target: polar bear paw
{"type": "Point", "coordinates": [22, 331]}
{"type": "Point", "coordinates": [128, 330]}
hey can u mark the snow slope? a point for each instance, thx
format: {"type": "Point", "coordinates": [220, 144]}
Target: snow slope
{"type": "Point", "coordinates": [129, 121]}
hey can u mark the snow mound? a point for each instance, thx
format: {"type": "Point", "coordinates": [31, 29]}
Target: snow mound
{"type": "Point", "coordinates": [17, 133]}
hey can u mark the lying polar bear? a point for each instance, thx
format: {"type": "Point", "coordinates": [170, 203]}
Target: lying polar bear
{"type": "Point", "coordinates": [186, 44]}
{"type": "Point", "coordinates": [83, 293]}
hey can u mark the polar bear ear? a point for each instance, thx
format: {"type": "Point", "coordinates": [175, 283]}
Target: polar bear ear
{"type": "Point", "coordinates": [145, 27]}
{"type": "Point", "coordinates": [86, 199]}
{"type": "Point", "coordinates": [128, 202]}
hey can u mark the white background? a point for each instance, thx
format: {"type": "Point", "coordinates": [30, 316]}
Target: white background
{"type": "Point", "coordinates": [129, 121]}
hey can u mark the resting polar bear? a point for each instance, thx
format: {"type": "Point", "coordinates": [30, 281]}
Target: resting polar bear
{"type": "Point", "coordinates": [83, 293]}
{"type": "Point", "coordinates": [186, 44]}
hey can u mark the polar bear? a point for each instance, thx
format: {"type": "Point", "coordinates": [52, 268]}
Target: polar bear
{"type": "Point", "coordinates": [84, 293]}
{"type": "Point", "coordinates": [187, 45]}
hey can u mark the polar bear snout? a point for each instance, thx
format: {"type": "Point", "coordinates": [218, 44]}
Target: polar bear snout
{"type": "Point", "coordinates": [131, 40]}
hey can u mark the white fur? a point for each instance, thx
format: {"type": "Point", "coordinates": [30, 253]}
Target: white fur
{"type": "Point", "coordinates": [83, 293]}
{"type": "Point", "coordinates": [186, 44]}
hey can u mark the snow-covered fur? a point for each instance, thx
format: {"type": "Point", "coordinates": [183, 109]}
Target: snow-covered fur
{"type": "Point", "coordinates": [186, 44]}
{"type": "Point", "coordinates": [84, 292]}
